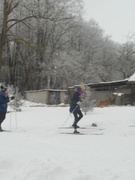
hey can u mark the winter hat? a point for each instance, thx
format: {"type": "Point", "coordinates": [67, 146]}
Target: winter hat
{"type": "Point", "coordinates": [3, 88]}
{"type": "Point", "coordinates": [82, 86]}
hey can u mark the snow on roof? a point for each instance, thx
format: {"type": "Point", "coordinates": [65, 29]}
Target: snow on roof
{"type": "Point", "coordinates": [132, 78]}
{"type": "Point", "coordinates": [108, 82]}
{"type": "Point", "coordinates": [53, 90]}
{"type": "Point", "coordinates": [123, 81]}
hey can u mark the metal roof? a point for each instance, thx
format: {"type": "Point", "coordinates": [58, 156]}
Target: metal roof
{"type": "Point", "coordinates": [110, 83]}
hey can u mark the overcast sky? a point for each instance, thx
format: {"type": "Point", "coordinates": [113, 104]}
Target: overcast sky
{"type": "Point", "coordinates": [115, 17]}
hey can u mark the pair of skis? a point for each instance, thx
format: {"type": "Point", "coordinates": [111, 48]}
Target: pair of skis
{"type": "Point", "coordinates": [81, 133]}
{"type": "Point", "coordinates": [97, 131]}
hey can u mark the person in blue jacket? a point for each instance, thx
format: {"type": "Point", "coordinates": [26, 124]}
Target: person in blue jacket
{"type": "Point", "coordinates": [4, 99]}
{"type": "Point", "coordinates": [75, 105]}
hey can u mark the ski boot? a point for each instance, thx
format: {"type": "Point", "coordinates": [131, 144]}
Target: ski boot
{"type": "Point", "coordinates": [76, 132]}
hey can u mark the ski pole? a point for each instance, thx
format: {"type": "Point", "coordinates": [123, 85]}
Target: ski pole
{"type": "Point", "coordinates": [67, 118]}
{"type": "Point", "coordinates": [10, 117]}
{"type": "Point", "coordinates": [16, 118]}
{"type": "Point", "coordinates": [16, 112]}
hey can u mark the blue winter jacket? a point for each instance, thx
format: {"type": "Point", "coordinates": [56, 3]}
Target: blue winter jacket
{"type": "Point", "coordinates": [3, 102]}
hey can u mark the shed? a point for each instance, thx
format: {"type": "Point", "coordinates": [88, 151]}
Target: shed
{"type": "Point", "coordinates": [47, 96]}
{"type": "Point", "coordinates": [121, 92]}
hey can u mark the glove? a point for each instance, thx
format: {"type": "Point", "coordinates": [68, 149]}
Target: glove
{"type": "Point", "coordinates": [79, 102]}
{"type": "Point", "coordinates": [12, 97]}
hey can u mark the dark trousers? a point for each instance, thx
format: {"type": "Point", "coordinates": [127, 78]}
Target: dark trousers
{"type": "Point", "coordinates": [2, 117]}
{"type": "Point", "coordinates": [77, 115]}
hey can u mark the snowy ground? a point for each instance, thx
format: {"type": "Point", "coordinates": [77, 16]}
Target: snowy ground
{"type": "Point", "coordinates": [35, 149]}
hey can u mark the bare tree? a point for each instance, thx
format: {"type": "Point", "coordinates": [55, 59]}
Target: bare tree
{"type": "Point", "coordinates": [125, 63]}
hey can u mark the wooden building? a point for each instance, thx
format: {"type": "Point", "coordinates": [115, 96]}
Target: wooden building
{"type": "Point", "coordinates": [120, 92]}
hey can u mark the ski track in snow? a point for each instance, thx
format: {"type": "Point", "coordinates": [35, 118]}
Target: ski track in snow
{"type": "Point", "coordinates": [35, 149]}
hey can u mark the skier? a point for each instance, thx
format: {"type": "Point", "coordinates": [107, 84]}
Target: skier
{"type": "Point", "coordinates": [4, 99]}
{"type": "Point", "coordinates": [75, 105]}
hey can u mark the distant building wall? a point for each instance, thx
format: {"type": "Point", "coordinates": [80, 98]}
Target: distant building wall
{"type": "Point", "coordinates": [118, 94]}
{"type": "Point", "coordinates": [37, 96]}
{"type": "Point", "coordinates": [98, 95]}
{"type": "Point", "coordinates": [47, 96]}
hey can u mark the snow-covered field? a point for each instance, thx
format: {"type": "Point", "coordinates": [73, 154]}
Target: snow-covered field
{"type": "Point", "coordinates": [35, 149]}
